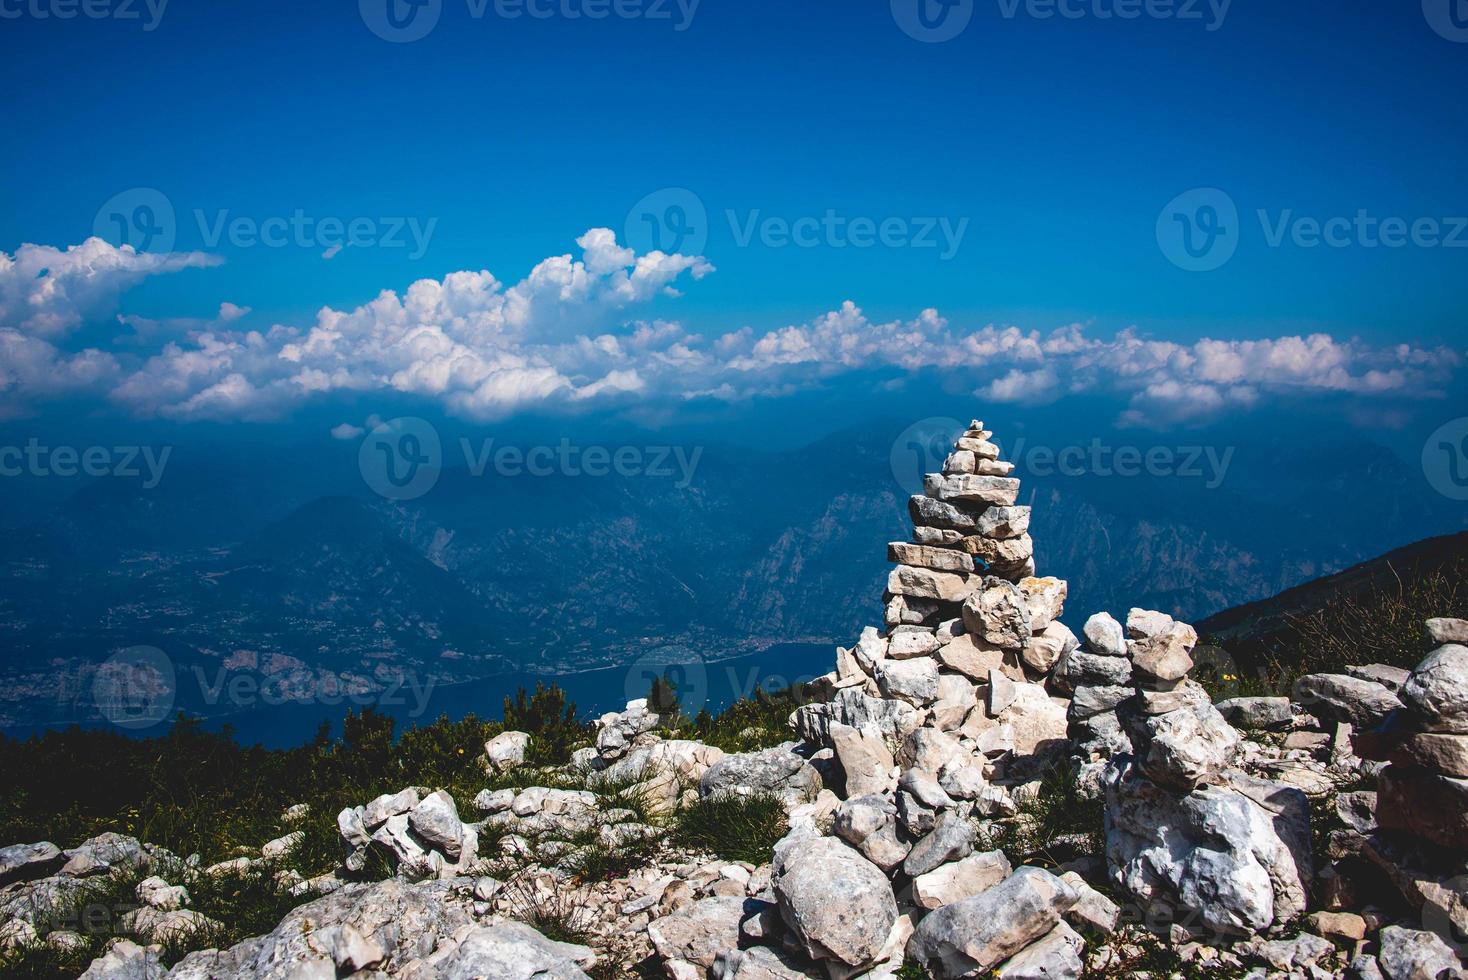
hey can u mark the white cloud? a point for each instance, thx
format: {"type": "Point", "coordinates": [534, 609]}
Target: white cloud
{"type": "Point", "coordinates": [47, 293]}
{"type": "Point", "coordinates": [1029, 387]}
{"type": "Point", "coordinates": [559, 337]}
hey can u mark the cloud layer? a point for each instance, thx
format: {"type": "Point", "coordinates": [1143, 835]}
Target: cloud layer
{"type": "Point", "coordinates": [567, 335]}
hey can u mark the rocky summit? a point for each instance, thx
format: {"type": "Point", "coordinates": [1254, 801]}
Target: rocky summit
{"type": "Point", "coordinates": [934, 793]}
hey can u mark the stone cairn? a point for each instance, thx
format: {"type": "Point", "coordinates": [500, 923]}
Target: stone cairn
{"type": "Point", "coordinates": [1424, 789]}
{"type": "Point", "coordinates": [1207, 849]}
{"type": "Point", "coordinates": [931, 726]}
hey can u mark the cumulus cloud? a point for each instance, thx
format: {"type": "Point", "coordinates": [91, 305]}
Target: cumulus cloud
{"type": "Point", "coordinates": [46, 292]}
{"type": "Point", "coordinates": [482, 349]}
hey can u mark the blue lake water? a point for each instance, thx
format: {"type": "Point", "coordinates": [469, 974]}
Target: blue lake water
{"type": "Point", "coordinates": [713, 685]}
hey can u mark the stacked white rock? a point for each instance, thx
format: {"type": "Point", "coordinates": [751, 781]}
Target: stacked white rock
{"type": "Point", "coordinates": [417, 831]}
{"type": "Point", "coordinates": [1098, 677]}
{"type": "Point", "coordinates": [932, 723]}
{"type": "Point", "coordinates": [1199, 843]}
{"type": "Point", "coordinates": [1424, 790]}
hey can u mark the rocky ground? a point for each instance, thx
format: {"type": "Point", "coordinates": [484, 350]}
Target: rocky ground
{"type": "Point", "coordinates": [975, 790]}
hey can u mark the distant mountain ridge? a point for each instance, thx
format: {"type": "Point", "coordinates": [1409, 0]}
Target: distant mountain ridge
{"type": "Point", "coordinates": [292, 555]}
{"type": "Point", "coordinates": [1255, 628]}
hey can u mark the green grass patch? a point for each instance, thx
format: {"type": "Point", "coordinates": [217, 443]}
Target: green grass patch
{"type": "Point", "coordinates": [736, 828]}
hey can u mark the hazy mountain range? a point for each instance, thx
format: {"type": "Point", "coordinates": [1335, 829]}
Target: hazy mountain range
{"type": "Point", "coordinates": [262, 560]}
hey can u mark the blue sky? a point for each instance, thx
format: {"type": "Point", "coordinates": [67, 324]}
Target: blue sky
{"type": "Point", "coordinates": [1053, 143]}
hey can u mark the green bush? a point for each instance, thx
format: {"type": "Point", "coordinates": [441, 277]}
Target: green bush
{"type": "Point", "coordinates": [551, 719]}
{"type": "Point", "coordinates": [733, 827]}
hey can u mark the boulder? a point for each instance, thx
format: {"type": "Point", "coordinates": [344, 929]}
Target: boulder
{"type": "Point", "coordinates": [1256, 713]}
{"type": "Point", "coordinates": [998, 615]}
{"type": "Point", "coordinates": [1424, 803]}
{"type": "Point", "coordinates": [960, 879]}
{"type": "Point", "coordinates": [1036, 720]}
{"type": "Point", "coordinates": [837, 904]}
{"type": "Point", "coordinates": [24, 862]}
{"type": "Point", "coordinates": [920, 798]}
{"type": "Point", "coordinates": [1047, 646]}
{"type": "Point", "coordinates": [912, 681]}
{"type": "Point", "coordinates": [777, 770]}
{"type": "Point", "coordinates": [1089, 701]}
{"type": "Point", "coordinates": [510, 950]}
{"type": "Point", "coordinates": [166, 925]}
{"type": "Point", "coordinates": [436, 822]}
{"type": "Point", "coordinates": [103, 853]}
{"type": "Point", "coordinates": [1003, 522]}
{"type": "Point", "coordinates": [1080, 668]}
{"type": "Point", "coordinates": [1391, 678]}
{"type": "Point", "coordinates": [1343, 698]}
{"type": "Point", "coordinates": [1092, 910]}
{"type": "Point", "coordinates": [930, 750]}
{"type": "Point", "coordinates": [1045, 598]}
{"type": "Point", "coordinates": [1239, 862]}
{"type": "Point", "coordinates": [1297, 954]}
{"type": "Point", "coordinates": [907, 642]}
{"type": "Point", "coordinates": [390, 928]}
{"type": "Point", "coordinates": [699, 931]}
{"type": "Point", "coordinates": [869, 824]}
{"type": "Point", "coordinates": [893, 719]}
{"type": "Point", "coordinates": [126, 960]}
{"type": "Point", "coordinates": [1438, 689]}
{"type": "Point", "coordinates": [926, 556]}
{"type": "Point", "coordinates": [664, 768]}
{"type": "Point", "coordinates": [974, 935]}
{"type": "Point", "coordinates": [281, 847]}
{"type": "Point", "coordinates": [865, 759]}
{"type": "Point", "coordinates": [755, 963]}
{"type": "Point", "coordinates": [1189, 746]}
{"type": "Point", "coordinates": [153, 891]}
{"type": "Point", "coordinates": [992, 491]}
{"type": "Point", "coordinates": [506, 750]}
{"type": "Point", "coordinates": [1414, 954]}
{"type": "Point", "coordinates": [950, 840]}
{"type": "Point", "coordinates": [1011, 558]}
{"type": "Point", "coordinates": [1055, 956]}
{"type": "Point", "coordinates": [1105, 636]}
{"type": "Point", "coordinates": [926, 511]}
{"type": "Point", "coordinates": [1441, 753]}
{"type": "Point", "coordinates": [973, 657]}
{"type": "Point", "coordinates": [1442, 631]}
{"type": "Point", "coordinates": [1162, 657]}
{"type": "Point", "coordinates": [924, 583]}
{"type": "Point", "coordinates": [1143, 624]}
{"type": "Point", "coordinates": [377, 812]}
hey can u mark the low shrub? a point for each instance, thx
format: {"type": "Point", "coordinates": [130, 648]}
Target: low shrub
{"type": "Point", "coordinates": [733, 827]}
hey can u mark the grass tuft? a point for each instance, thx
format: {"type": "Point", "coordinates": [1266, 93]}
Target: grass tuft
{"type": "Point", "coordinates": [736, 828]}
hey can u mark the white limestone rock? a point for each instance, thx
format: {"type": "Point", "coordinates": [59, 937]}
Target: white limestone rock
{"type": "Point", "coordinates": [837, 904]}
